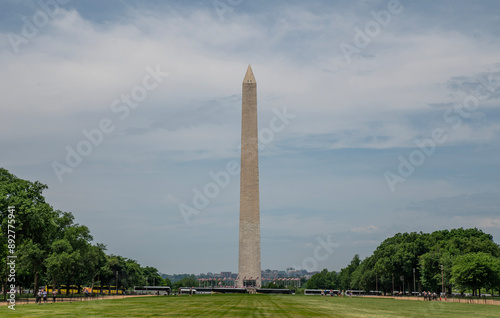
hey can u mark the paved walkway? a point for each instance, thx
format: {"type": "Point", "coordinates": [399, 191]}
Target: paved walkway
{"type": "Point", "coordinates": [482, 301]}
{"type": "Point", "coordinates": [25, 301]}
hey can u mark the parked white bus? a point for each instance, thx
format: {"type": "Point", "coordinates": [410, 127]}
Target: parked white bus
{"type": "Point", "coordinates": [152, 290]}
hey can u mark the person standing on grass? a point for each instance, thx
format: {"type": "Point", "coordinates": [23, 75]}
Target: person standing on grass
{"type": "Point", "coordinates": [54, 293]}
{"type": "Point", "coordinates": [44, 296]}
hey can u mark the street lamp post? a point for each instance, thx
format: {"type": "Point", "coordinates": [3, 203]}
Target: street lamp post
{"type": "Point", "coordinates": [414, 286]}
{"type": "Point", "coordinates": [403, 281]}
{"type": "Point", "coordinates": [392, 284]}
{"type": "Point", "coordinates": [442, 279]}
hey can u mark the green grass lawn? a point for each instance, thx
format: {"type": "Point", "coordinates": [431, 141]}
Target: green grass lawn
{"type": "Point", "coordinates": [252, 306]}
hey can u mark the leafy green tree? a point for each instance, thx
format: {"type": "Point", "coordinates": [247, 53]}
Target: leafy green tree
{"type": "Point", "coordinates": [187, 281]}
{"type": "Point", "coordinates": [95, 262]}
{"type": "Point", "coordinates": [444, 247]}
{"type": "Point", "coordinates": [318, 280]}
{"type": "Point", "coordinates": [60, 264]}
{"type": "Point", "coordinates": [166, 282]}
{"type": "Point", "coordinates": [52, 248]}
{"type": "Point", "coordinates": [30, 262]}
{"type": "Point", "coordinates": [129, 272]}
{"type": "Point", "coordinates": [134, 274]}
{"type": "Point", "coordinates": [324, 280]}
{"type": "Point", "coordinates": [429, 265]}
{"type": "Point", "coordinates": [117, 270]}
{"type": "Point", "coordinates": [475, 271]}
{"type": "Point", "coordinates": [399, 255]}
{"type": "Point", "coordinates": [364, 276]}
{"type": "Point", "coordinates": [34, 222]}
{"type": "Point", "coordinates": [69, 255]}
{"type": "Point", "coordinates": [345, 275]}
{"type": "Point", "coordinates": [152, 275]}
{"type": "Point", "coordinates": [333, 280]}
{"type": "Point", "coordinates": [273, 285]}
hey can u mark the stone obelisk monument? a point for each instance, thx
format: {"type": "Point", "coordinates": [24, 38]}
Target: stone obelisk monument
{"type": "Point", "coordinates": [249, 251]}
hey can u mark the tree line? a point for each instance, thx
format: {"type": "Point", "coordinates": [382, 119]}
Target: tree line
{"type": "Point", "coordinates": [454, 260]}
{"type": "Point", "coordinates": [53, 250]}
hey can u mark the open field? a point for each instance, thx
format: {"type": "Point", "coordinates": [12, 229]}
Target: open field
{"type": "Point", "coordinates": [252, 306]}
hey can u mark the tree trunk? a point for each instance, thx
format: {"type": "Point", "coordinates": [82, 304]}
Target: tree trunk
{"type": "Point", "coordinates": [100, 284]}
{"type": "Point", "coordinates": [5, 283]}
{"type": "Point", "coordinates": [70, 276]}
{"type": "Point", "coordinates": [68, 281]}
{"type": "Point", "coordinates": [35, 283]}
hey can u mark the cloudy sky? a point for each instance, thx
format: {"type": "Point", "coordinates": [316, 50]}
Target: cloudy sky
{"type": "Point", "coordinates": [375, 117]}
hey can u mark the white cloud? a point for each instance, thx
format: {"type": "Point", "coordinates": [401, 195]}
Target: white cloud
{"type": "Point", "coordinates": [365, 230]}
{"type": "Point", "coordinates": [323, 173]}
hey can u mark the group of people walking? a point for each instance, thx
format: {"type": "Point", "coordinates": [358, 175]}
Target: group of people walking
{"type": "Point", "coordinates": [42, 296]}
{"type": "Point", "coordinates": [430, 296]}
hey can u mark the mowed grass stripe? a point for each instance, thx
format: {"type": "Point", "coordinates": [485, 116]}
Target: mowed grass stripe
{"type": "Point", "coordinates": [253, 306]}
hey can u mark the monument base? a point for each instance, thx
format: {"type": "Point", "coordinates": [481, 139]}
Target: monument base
{"type": "Point", "coordinates": [251, 290]}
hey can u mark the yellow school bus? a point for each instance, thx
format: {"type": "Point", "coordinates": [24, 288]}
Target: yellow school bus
{"type": "Point", "coordinates": [73, 289]}
{"type": "Point", "coordinates": [107, 290]}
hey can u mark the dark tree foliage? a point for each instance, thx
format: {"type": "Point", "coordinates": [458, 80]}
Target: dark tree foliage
{"type": "Point", "coordinates": [54, 250]}
{"type": "Point", "coordinates": [324, 280]}
{"type": "Point", "coordinates": [187, 281]}
{"type": "Point", "coordinates": [412, 262]}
